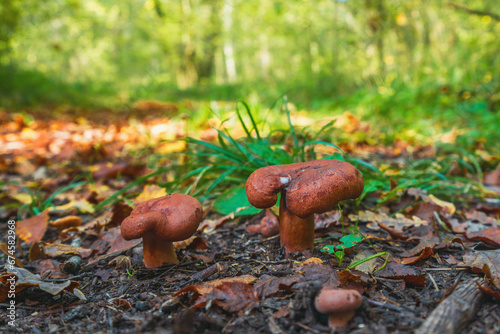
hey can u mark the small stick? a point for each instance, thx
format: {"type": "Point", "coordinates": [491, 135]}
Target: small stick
{"type": "Point", "coordinates": [433, 282]}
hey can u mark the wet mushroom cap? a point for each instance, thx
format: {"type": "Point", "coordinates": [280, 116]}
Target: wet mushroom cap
{"type": "Point", "coordinates": [311, 187]}
{"type": "Point", "coordinates": [173, 217]}
{"type": "Point", "coordinates": [331, 300]}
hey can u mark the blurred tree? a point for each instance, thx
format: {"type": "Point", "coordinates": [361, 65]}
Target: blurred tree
{"type": "Point", "coordinates": [9, 21]}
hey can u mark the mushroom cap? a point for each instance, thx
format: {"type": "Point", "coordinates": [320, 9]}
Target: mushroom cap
{"type": "Point", "coordinates": [331, 300]}
{"type": "Point", "coordinates": [172, 218]}
{"type": "Point", "coordinates": [311, 187]}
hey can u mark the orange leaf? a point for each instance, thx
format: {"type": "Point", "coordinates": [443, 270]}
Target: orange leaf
{"type": "Point", "coordinates": [427, 252]}
{"type": "Point", "coordinates": [32, 229]}
{"type": "Point", "coordinates": [490, 235]}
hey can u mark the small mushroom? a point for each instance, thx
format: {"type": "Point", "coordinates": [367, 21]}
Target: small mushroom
{"type": "Point", "coordinates": [339, 304]}
{"type": "Point", "coordinates": [268, 226]}
{"type": "Point", "coordinates": [306, 188]}
{"type": "Point", "coordinates": [160, 222]}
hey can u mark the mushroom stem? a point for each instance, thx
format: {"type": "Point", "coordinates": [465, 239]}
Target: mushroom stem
{"type": "Point", "coordinates": [157, 251]}
{"type": "Point", "coordinates": [340, 319]}
{"type": "Point", "coordinates": [296, 234]}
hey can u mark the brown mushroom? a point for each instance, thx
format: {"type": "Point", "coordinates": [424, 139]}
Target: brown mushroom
{"type": "Point", "coordinates": [160, 222]}
{"type": "Point", "coordinates": [306, 188]}
{"type": "Point", "coordinates": [339, 304]}
{"type": "Point", "coordinates": [268, 226]}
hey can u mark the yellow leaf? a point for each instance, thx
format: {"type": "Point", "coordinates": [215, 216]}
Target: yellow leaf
{"type": "Point", "coordinates": [449, 207]}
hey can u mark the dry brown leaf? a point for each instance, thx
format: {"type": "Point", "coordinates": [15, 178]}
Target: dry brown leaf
{"type": "Point", "coordinates": [268, 287]}
{"type": "Point", "coordinates": [32, 229]}
{"type": "Point", "coordinates": [425, 242]}
{"type": "Point", "coordinates": [397, 223]}
{"type": "Point", "coordinates": [232, 296]}
{"type": "Point", "coordinates": [446, 207]}
{"type": "Point", "coordinates": [193, 242]}
{"type": "Point", "coordinates": [487, 262]}
{"type": "Point", "coordinates": [204, 288]}
{"type": "Point", "coordinates": [481, 217]}
{"type": "Point", "coordinates": [410, 274]}
{"type": "Point", "coordinates": [42, 250]}
{"type": "Point", "coordinates": [5, 249]}
{"type": "Point", "coordinates": [490, 235]}
{"type": "Point", "coordinates": [426, 253]}
{"type": "Point", "coordinates": [26, 279]}
{"type": "Point", "coordinates": [119, 212]}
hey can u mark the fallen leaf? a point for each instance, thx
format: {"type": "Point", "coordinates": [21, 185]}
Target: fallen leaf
{"type": "Point", "coordinates": [425, 242]}
{"type": "Point", "coordinates": [121, 262]}
{"type": "Point", "coordinates": [367, 267]}
{"type": "Point", "coordinates": [487, 262]}
{"type": "Point", "coordinates": [397, 223]}
{"type": "Point", "coordinates": [451, 259]}
{"type": "Point", "coordinates": [5, 249]}
{"type": "Point", "coordinates": [424, 210]}
{"type": "Point", "coordinates": [231, 296]}
{"type": "Point", "coordinates": [206, 287]}
{"type": "Point", "coordinates": [150, 192]}
{"type": "Point", "coordinates": [194, 242]}
{"type": "Point", "coordinates": [114, 240]}
{"type": "Point", "coordinates": [410, 274]}
{"type": "Point", "coordinates": [123, 304]}
{"type": "Point", "coordinates": [65, 222]}
{"type": "Point", "coordinates": [490, 235]}
{"type": "Point", "coordinates": [348, 276]}
{"type": "Point", "coordinates": [447, 206]}
{"type": "Point", "coordinates": [327, 219]}
{"type": "Point", "coordinates": [119, 212]}
{"type": "Point", "coordinates": [396, 235]}
{"type": "Point", "coordinates": [270, 287]}
{"type": "Point", "coordinates": [32, 229]}
{"type": "Point", "coordinates": [426, 253]}
{"type": "Point", "coordinates": [25, 279]}
{"type": "Point", "coordinates": [483, 218]}
{"type": "Point", "coordinates": [488, 290]}
{"type": "Point", "coordinates": [82, 206]}
{"type": "Point", "coordinates": [42, 250]}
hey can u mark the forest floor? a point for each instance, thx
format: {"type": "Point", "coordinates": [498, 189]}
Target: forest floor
{"type": "Point", "coordinates": [75, 273]}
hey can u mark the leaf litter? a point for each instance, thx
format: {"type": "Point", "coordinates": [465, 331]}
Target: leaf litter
{"type": "Point", "coordinates": [227, 279]}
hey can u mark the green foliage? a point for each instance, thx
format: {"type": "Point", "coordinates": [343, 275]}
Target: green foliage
{"type": "Point", "coordinates": [435, 175]}
{"type": "Point", "coordinates": [234, 200]}
{"type": "Point", "coordinates": [350, 240]}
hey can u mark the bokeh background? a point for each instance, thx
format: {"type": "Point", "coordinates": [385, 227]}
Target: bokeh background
{"type": "Point", "coordinates": [429, 66]}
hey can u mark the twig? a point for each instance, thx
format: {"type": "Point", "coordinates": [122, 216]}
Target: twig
{"type": "Point", "coordinates": [389, 306]}
{"type": "Point", "coordinates": [433, 282]}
